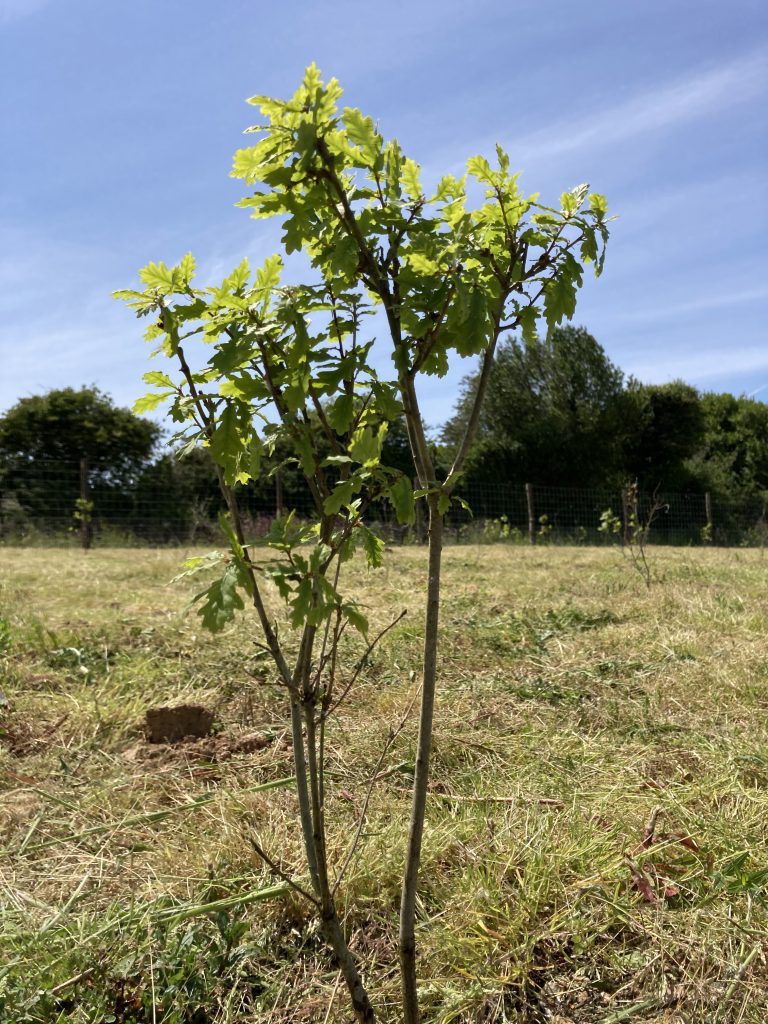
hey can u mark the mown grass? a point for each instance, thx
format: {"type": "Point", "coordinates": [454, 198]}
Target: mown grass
{"type": "Point", "coordinates": [597, 838]}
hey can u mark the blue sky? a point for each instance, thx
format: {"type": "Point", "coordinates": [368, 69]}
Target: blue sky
{"type": "Point", "coordinates": [119, 121]}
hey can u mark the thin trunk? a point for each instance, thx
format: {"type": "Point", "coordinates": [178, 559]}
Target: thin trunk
{"type": "Point", "coordinates": [331, 926]}
{"type": "Point", "coordinates": [421, 775]}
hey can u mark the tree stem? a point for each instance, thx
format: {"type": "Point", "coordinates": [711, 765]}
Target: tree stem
{"type": "Point", "coordinates": [421, 775]}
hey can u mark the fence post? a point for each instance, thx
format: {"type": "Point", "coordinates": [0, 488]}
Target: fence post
{"type": "Point", "coordinates": [278, 493]}
{"type": "Point", "coordinates": [531, 514]}
{"type": "Point", "coordinates": [86, 528]}
{"type": "Point", "coordinates": [708, 513]}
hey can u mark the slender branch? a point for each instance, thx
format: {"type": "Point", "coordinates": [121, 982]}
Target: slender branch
{"type": "Point", "coordinates": [407, 936]}
{"type": "Point", "coordinates": [277, 870]}
{"type": "Point", "coordinates": [474, 416]}
{"type": "Point", "coordinates": [361, 662]}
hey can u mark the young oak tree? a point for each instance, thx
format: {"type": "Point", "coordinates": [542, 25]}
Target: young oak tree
{"type": "Point", "coordinates": [292, 365]}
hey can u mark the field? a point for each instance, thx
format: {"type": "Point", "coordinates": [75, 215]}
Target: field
{"type": "Point", "coordinates": [597, 837]}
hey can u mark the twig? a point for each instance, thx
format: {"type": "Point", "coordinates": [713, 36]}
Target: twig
{"type": "Point", "coordinates": [277, 870]}
{"type": "Point", "coordinates": [362, 661]}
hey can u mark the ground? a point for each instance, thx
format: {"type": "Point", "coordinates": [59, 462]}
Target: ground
{"type": "Point", "coordinates": [597, 838]}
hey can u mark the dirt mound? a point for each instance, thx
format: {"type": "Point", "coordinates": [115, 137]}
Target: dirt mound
{"type": "Point", "coordinates": [172, 724]}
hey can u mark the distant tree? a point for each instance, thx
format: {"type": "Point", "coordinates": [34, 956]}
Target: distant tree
{"type": "Point", "coordinates": [44, 438]}
{"type": "Point", "coordinates": [553, 413]}
{"type": "Point", "coordinates": [732, 460]}
{"type": "Point", "coordinates": [664, 428]}
{"type": "Point", "coordinates": [67, 425]}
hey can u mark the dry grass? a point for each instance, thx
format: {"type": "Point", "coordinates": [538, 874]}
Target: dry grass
{"type": "Point", "coordinates": [597, 842]}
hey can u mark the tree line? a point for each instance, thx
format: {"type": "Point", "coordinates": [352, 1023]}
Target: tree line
{"type": "Point", "coordinates": [558, 413]}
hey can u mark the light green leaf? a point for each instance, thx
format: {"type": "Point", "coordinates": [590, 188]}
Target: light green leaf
{"type": "Point", "coordinates": [373, 547]}
{"type": "Point", "coordinates": [157, 275]}
{"type": "Point", "coordinates": [421, 264]}
{"type": "Point", "coordinates": [226, 444]}
{"type": "Point", "coordinates": [401, 496]}
{"type": "Point", "coordinates": [151, 401]}
{"type": "Point", "coordinates": [365, 447]}
{"type": "Point", "coordinates": [184, 272]}
{"type": "Point", "coordinates": [160, 379]}
{"type": "Point", "coordinates": [598, 204]}
{"type": "Point", "coordinates": [479, 167]}
{"type": "Point", "coordinates": [362, 132]}
{"type": "Point", "coordinates": [411, 179]}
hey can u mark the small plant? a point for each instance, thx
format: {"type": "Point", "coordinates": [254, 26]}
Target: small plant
{"type": "Point", "coordinates": [292, 370]}
{"type": "Point", "coordinates": [545, 528]}
{"type": "Point", "coordinates": [637, 530]}
{"type": "Point", "coordinates": [610, 523]}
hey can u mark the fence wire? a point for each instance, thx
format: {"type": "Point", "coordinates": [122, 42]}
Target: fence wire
{"type": "Point", "coordinates": [55, 503]}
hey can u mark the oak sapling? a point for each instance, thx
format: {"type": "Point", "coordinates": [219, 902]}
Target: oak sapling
{"type": "Point", "coordinates": [292, 364]}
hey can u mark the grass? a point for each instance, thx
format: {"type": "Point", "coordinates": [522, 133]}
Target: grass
{"type": "Point", "coordinates": [597, 838]}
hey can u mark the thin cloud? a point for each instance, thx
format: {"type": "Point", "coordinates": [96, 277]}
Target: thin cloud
{"type": "Point", "coordinates": [698, 365]}
{"type": "Point", "coordinates": [701, 304]}
{"type": "Point", "coordinates": [15, 10]}
{"type": "Point", "coordinates": [699, 95]}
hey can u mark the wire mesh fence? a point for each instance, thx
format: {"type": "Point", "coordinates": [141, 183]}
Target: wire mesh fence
{"type": "Point", "coordinates": [75, 503]}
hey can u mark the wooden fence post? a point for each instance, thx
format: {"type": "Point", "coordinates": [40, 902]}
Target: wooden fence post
{"type": "Point", "coordinates": [278, 493]}
{"type": "Point", "coordinates": [85, 507]}
{"type": "Point", "coordinates": [531, 514]}
{"type": "Point", "coordinates": [708, 513]}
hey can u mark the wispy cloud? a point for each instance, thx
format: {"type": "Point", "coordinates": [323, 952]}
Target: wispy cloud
{"type": "Point", "coordinates": [697, 365]}
{"type": "Point", "coordinates": [711, 91]}
{"type": "Point", "coordinates": [722, 299]}
{"type": "Point", "coordinates": [15, 10]}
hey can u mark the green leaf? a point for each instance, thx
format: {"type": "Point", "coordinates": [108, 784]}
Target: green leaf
{"type": "Point", "coordinates": [528, 317]}
{"type": "Point", "coordinates": [479, 167]}
{"type": "Point", "coordinates": [151, 401]}
{"type": "Point", "coordinates": [341, 413]}
{"type": "Point", "coordinates": [340, 495]}
{"type": "Point", "coordinates": [220, 601]}
{"type": "Point", "coordinates": [401, 496]}
{"type": "Point", "coordinates": [387, 400]}
{"type": "Point", "coordinates": [473, 336]}
{"type": "Point", "coordinates": [443, 504]}
{"type": "Point", "coordinates": [157, 275]}
{"type": "Point", "coordinates": [161, 379]}
{"type": "Point", "coordinates": [355, 618]}
{"type": "Point", "coordinates": [184, 272]}
{"type": "Point", "coordinates": [373, 547]}
{"type": "Point", "coordinates": [560, 292]}
{"type": "Point", "coordinates": [268, 274]}
{"type": "Point", "coordinates": [365, 447]}
{"type": "Point", "coordinates": [571, 201]}
{"type": "Point", "coordinates": [411, 179]}
{"type": "Point", "coordinates": [421, 264]}
{"type": "Point", "coordinates": [226, 444]}
{"type": "Point", "coordinates": [301, 603]}
{"type": "Point", "coordinates": [362, 132]}
{"type": "Point", "coordinates": [598, 204]}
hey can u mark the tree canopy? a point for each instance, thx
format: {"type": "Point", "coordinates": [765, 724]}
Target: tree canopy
{"type": "Point", "coordinates": [66, 425]}
{"type": "Point", "coordinates": [552, 412]}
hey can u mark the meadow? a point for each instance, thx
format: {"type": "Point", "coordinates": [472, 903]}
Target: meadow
{"type": "Point", "coordinates": [597, 838]}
